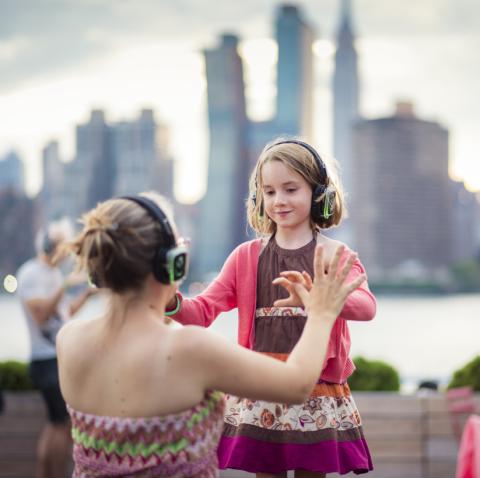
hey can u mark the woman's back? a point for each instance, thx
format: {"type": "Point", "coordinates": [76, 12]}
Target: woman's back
{"type": "Point", "coordinates": [128, 368]}
{"type": "Point", "coordinates": [130, 412]}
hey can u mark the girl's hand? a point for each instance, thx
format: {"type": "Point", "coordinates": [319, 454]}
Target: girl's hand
{"type": "Point", "coordinates": [287, 279]}
{"type": "Point", "coordinates": [329, 291]}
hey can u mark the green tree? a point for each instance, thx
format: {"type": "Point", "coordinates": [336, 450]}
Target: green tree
{"type": "Point", "coordinates": [468, 375]}
{"type": "Point", "coordinates": [374, 375]}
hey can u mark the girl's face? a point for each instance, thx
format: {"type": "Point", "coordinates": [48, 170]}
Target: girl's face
{"type": "Point", "coordinates": [287, 196]}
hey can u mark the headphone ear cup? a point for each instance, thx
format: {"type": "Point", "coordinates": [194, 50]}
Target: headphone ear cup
{"type": "Point", "coordinates": [325, 208]}
{"type": "Point", "coordinates": [159, 269]}
{"type": "Point", "coordinates": [254, 202]}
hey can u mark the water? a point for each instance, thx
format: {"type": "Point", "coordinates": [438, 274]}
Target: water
{"type": "Point", "coordinates": [422, 337]}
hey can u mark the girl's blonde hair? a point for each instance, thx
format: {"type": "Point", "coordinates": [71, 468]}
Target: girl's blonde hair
{"type": "Point", "coordinates": [300, 160]}
{"type": "Point", "coordinates": [118, 242]}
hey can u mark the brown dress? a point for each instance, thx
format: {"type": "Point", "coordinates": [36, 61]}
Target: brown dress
{"type": "Point", "coordinates": [323, 434]}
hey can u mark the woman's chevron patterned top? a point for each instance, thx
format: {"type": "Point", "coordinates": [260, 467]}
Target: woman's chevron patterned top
{"type": "Point", "coordinates": [178, 445]}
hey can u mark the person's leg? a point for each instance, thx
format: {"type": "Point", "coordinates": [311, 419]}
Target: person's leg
{"type": "Point", "coordinates": [54, 447]}
{"type": "Point", "coordinates": [270, 475]}
{"type": "Point", "coordinates": [59, 449]}
{"type": "Point", "coordinates": [42, 465]}
{"type": "Point", "coordinates": [309, 474]}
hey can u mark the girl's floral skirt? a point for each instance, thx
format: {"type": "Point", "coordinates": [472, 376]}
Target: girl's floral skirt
{"type": "Point", "coordinates": [324, 434]}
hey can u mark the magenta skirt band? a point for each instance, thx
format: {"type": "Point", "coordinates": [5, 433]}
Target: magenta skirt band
{"type": "Point", "coordinates": [327, 456]}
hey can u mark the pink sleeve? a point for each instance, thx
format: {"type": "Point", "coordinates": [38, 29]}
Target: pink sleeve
{"type": "Point", "coordinates": [361, 304]}
{"type": "Point", "coordinates": [219, 296]}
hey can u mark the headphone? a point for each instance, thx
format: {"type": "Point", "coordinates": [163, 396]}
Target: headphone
{"type": "Point", "coordinates": [48, 245]}
{"type": "Point", "coordinates": [170, 262]}
{"type": "Point", "coordinates": [320, 210]}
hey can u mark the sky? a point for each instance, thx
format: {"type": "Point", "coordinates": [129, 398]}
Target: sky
{"type": "Point", "coordinates": [59, 59]}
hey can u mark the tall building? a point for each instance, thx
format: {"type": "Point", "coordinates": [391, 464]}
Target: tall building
{"type": "Point", "coordinates": [52, 193]}
{"type": "Point", "coordinates": [18, 223]}
{"type": "Point", "coordinates": [90, 175]}
{"type": "Point", "coordinates": [466, 221]}
{"type": "Point", "coordinates": [138, 165]}
{"type": "Point", "coordinates": [222, 216]}
{"type": "Point", "coordinates": [11, 172]}
{"type": "Point", "coordinates": [294, 73]}
{"type": "Point", "coordinates": [402, 206]}
{"type": "Point", "coordinates": [345, 106]}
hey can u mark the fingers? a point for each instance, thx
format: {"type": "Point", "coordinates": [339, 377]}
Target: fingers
{"type": "Point", "coordinates": [282, 303]}
{"type": "Point", "coordinates": [333, 266]}
{"type": "Point", "coordinates": [283, 282]}
{"type": "Point", "coordinates": [318, 267]}
{"type": "Point", "coordinates": [307, 280]}
{"type": "Point", "coordinates": [302, 293]}
{"type": "Point", "coordinates": [358, 281]}
{"type": "Point", "coordinates": [293, 276]}
{"type": "Point", "coordinates": [347, 266]}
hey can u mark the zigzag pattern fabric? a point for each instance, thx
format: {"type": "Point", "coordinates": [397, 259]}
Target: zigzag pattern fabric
{"type": "Point", "coordinates": [176, 445]}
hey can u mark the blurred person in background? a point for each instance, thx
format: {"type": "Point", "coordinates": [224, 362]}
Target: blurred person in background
{"type": "Point", "coordinates": [42, 292]}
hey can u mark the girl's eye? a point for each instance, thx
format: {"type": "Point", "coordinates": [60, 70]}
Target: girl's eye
{"type": "Point", "coordinates": [291, 190]}
{"type": "Point", "coordinates": [268, 193]}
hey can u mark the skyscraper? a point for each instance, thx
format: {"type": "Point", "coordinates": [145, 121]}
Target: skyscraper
{"type": "Point", "coordinates": [52, 195]}
{"type": "Point", "coordinates": [222, 216]}
{"type": "Point", "coordinates": [90, 175]}
{"type": "Point", "coordinates": [402, 206]}
{"type": "Point", "coordinates": [137, 158]}
{"type": "Point", "coordinates": [294, 73]}
{"type": "Point", "coordinates": [11, 172]}
{"type": "Point", "coordinates": [345, 105]}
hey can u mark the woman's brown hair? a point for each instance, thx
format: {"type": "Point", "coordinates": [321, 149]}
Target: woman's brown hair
{"type": "Point", "coordinates": [118, 241]}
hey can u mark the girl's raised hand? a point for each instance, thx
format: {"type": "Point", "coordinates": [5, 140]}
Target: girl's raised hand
{"type": "Point", "coordinates": [287, 279]}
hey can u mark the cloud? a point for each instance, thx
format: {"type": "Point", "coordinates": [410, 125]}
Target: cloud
{"type": "Point", "coordinates": [44, 37]}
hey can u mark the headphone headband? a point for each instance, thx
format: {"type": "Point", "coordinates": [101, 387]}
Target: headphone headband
{"type": "Point", "coordinates": [156, 212]}
{"type": "Point", "coordinates": [321, 165]}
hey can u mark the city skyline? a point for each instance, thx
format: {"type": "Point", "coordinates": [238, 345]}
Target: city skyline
{"type": "Point", "coordinates": [420, 54]}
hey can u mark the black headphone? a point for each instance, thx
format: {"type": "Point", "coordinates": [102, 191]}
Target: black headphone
{"type": "Point", "coordinates": [320, 210]}
{"type": "Point", "coordinates": [170, 262]}
{"type": "Point", "coordinates": [48, 245]}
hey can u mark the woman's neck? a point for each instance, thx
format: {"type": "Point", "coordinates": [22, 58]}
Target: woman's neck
{"type": "Point", "coordinates": [288, 238]}
{"type": "Point", "coordinates": [138, 307]}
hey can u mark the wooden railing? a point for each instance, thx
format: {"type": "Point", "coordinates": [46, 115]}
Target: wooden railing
{"type": "Point", "coordinates": [409, 436]}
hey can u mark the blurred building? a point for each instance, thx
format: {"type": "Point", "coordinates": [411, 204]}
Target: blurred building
{"type": "Point", "coordinates": [402, 207]}
{"type": "Point", "coordinates": [18, 221]}
{"type": "Point", "coordinates": [11, 173]}
{"type": "Point", "coordinates": [294, 73]}
{"type": "Point", "coordinates": [52, 195]}
{"type": "Point", "coordinates": [89, 177]}
{"type": "Point", "coordinates": [345, 107]}
{"type": "Point", "coordinates": [466, 222]}
{"type": "Point", "coordinates": [137, 160]}
{"type": "Point", "coordinates": [111, 159]}
{"type": "Point", "coordinates": [222, 216]}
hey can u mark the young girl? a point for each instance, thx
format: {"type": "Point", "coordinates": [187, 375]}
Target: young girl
{"type": "Point", "coordinates": [292, 199]}
{"type": "Point", "coordinates": [139, 392]}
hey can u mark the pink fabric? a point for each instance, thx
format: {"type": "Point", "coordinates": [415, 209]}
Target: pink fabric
{"type": "Point", "coordinates": [468, 464]}
{"type": "Point", "coordinates": [327, 456]}
{"type": "Point", "coordinates": [235, 287]}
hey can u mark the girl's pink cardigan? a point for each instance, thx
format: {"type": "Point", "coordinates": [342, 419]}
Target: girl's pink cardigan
{"type": "Point", "coordinates": [235, 287]}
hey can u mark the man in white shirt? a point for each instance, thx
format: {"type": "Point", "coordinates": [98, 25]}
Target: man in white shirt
{"type": "Point", "coordinates": [41, 290]}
